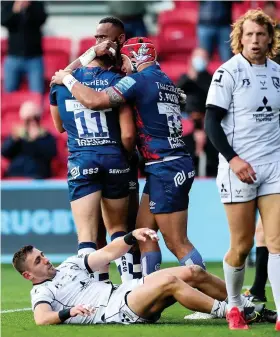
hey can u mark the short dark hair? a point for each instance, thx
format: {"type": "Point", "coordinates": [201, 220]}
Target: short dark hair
{"type": "Point", "coordinates": [20, 258]}
{"type": "Point", "coordinates": [114, 21]}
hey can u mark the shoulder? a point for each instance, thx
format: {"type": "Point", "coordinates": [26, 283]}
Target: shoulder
{"type": "Point", "coordinates": [273, 65]}
{"type": "Point", "coordinates": [127, 82]}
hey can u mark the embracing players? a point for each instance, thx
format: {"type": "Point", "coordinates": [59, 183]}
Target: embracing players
{"type": "Point", "coordinates": [169, 166]}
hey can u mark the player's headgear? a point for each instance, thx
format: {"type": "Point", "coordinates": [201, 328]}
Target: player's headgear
{"type": "Point", "coordinates": [139, 50]}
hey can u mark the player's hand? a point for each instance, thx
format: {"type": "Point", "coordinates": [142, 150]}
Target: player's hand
{"type": "Point", "coordinates": [142, 234]}
{"type": "Point", "coordinates": [106, 47]}
{"type": "Point", "coordinates": [59, 76]}
{"type": "Point", "coordinates": [243, 170]}
{"type": "Point", "coordinates": [81, 309]}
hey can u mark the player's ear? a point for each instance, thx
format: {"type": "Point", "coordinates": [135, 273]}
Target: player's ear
{"type": "Point", "coordinates": [27, 275]}
{"type": "Point", "coordinates": [121, 39]}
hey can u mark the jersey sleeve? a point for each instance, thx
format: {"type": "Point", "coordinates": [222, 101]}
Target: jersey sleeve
{"type": "Point", "coordinates": [52, 96]}
{"type": "Point", "coordinates": [127, 88]}
{"type": "Point", "coordinates": [221, 89]}
{"type": "Point", "coordinates": [41, 295]}
{"type": "Point", "coordinates": [81, 261]}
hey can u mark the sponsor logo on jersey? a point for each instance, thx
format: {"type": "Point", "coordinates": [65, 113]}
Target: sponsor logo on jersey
{"type": "Point", "coordinates": [276, 82]}
{"type": "Point", "coordinates": [179, 178]}
{"type": "Point", "coordinates": [125, 84]}
{"type": "Point", "coordinates": [265, 106]}
{"type": "Point", "coordinates": [246, 83]}
{"type": "Point", "coordinates": [176, 142]}
{"type": "Point", "coordinates": [238, 193]}
{"type": "Point", "coordinates": [224, 191]}
{"type": "Point", "coordinates": [75, 172]}
{"type": "Point", "coordinates": [90, 171]}
{"type": "Point", "coordinates": [94, 142]}
{"type": "Point", "coordinates": [152, 204]}
{"type": "Point", "coordinates": [263, 85]}
{"type": "Point", "coordinates": [119, 171]}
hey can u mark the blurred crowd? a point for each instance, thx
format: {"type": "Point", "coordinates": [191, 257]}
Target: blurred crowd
{"type": "Point", "coordinates": [192, 41]}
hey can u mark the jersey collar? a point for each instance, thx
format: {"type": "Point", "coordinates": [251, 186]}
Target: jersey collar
{"type": "Point", "coordinates": [251, 63]}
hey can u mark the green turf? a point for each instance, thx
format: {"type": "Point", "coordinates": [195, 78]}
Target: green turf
{"type": "Point", "coordinates": [15, 295]}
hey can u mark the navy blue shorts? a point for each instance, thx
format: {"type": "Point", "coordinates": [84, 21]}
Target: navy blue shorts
{"type": "Point", "coordinates": [168, 184]}
{"type": "Point", "coordinates": [89, 172]}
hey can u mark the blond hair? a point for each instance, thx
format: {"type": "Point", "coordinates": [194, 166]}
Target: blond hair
{"type": "Point", "coordinates": [259, 17]}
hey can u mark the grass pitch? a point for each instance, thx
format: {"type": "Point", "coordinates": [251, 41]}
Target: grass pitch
{"type": "Point", "coordinates": [15, 295]}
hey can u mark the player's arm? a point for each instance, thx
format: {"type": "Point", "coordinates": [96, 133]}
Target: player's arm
{"type": "Point", "coordinates": [56, 118]}
{"type": "Point", "coordinates": [117, 248]}
{"type": "Point", "coordinates": [127, 126]}
{"type": "Point", "coordinates": [104, 48]}
{"type": "Point", "coordinates": [44, 315]}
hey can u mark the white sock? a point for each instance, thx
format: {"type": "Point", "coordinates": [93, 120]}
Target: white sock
{"type": "Point", "coordinates": [273, 270]}
{"type": "Point", "coordinates": [219, 309]}
{"type": "Point", "coordinates": [246, 303]}
{"type": "Point", "coordinates": [125, 267]}
{"type": "Point", "coordinates": [234, 278]}
{"type": "Point", "coordinates": [85, 251]}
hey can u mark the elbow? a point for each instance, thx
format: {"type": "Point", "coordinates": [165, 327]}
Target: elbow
{"type": "Point", "coordinates": [91, 104]}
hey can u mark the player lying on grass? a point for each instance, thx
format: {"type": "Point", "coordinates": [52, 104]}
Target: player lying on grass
{"type": "Point", "coordinates": [68, 293]}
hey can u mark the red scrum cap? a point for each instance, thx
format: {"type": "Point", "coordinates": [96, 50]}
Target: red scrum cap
{"type": "Point", "coordinates": [139, 50]}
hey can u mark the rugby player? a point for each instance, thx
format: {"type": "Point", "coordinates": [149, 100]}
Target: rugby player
{"type": "Point", "coordinates": [169, 167]}
{"type": "Point", "coordinates": [98, 170]}
{"type": "Point", "coordinates": [68, 293]}
{"type": "Point", "coordinates": [242, 121]}
{"type": "Point", "coordinates": [110, 36]}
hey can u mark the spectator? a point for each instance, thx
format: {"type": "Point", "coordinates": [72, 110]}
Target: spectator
{"type": "Point", "coordinates": [195, 85]}
{"type": "Point", "coordinates": [215, 18]}
{"type": "Point", "coordinates": [270, 8]}
{"type": "Point", "coordinates": [30, 148]}
{"type": "Point", "coordinates": [24, 19]}
{"type": "Point", "coordinates": [132, 15]}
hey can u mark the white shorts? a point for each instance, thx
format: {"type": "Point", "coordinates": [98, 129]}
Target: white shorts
{"type": "Point", "coordinates": [118, 311]}
{"type": "Point", "coordinates": [232, 189]}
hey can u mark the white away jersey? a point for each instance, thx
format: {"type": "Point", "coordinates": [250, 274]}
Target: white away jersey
{"type": "Point", "coordinates": [251, 95]}
{"type": "Point", "coordinates": [73, 285]}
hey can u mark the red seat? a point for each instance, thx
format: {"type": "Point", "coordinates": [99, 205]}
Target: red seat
{"type": "Point", "coordinates": [213, 66]}
{"type": "Point", "coordinates": [186, 4]}
{"type": "Point", "coordinates": [177, 35]}
{"type": "Point", "coordinates": [12, 101]}
{"type": "Point", "coordinates": [239, 9]}
{"type": "Point", "coordinates": [57, 53]}
{"type": "Point", "coordinates": [85, 44]}
{"type": "Point", "coordinates": [174, 69]}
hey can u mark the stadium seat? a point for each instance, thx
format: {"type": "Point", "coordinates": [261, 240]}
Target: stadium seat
{"type": "Point", "coordinates": [85, 44]}
{"type": "Point", "coordinates": [11, 102]}
{"type": "Point", "coordinates": [213, 66]}
{"type": "Point", "coordinates": [174, 69]}
{"type": "Point", "coordinates": [57, 53]}
{"type": "Point", "coordinates": [177, 35]}
{"type": "Point", "coordinates": [191, 8]}
{"type": "Point", "coordinates": [239, 9]}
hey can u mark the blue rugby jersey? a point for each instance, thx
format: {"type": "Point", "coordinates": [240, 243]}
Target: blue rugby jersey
{"type": "Point", "coordinates": [158, 113]}
{"type": "Point", "coordinates": [88, 129]}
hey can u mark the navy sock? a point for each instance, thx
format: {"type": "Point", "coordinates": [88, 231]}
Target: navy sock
{"type": "Point", "coordinates": [150, 262]}
{"type": "Point", "coordinates": [193, 257]}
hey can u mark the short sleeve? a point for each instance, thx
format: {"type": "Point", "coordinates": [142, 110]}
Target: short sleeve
{"type": "Point", "coordinates": [41, 294]}
{"type": "Point", "coordinates": [126, 87]}
{"type": "Point", "coordinates": [221, 89]}
{"type": "Point", "coordinates": [81, 262]}
{"type": "Point", "coordinates": [53, 92]}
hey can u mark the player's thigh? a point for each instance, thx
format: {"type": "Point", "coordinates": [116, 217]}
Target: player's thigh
{"type": "Point", "coordinates": [114, 212]}
{"type": "Point", "coordinates": [169, 184]}
{"type": "Point", "coordinates": [269, 207]}
{"type": "Point", "coordinates": [154, 292]}
{"type": "Point", "coordinates": [133, 204]}
{"type": "Point", "coordinates": [241, 220]}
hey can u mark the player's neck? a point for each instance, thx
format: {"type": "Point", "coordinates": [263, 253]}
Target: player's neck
{"type": "Point", "coordinates": [261, 61]}
{"type": "Point", "coordinates": [144, 66]}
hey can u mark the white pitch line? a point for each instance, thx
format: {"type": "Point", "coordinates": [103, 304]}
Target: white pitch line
{"type": "Point", "coordinates": [14, 310]}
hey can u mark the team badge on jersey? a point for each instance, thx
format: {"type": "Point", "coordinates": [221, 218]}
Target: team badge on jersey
{"type": "Point", "coordinates": [276, 82]}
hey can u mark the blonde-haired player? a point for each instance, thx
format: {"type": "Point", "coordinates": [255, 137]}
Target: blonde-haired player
{"type": "Point", "coordinates": [242, 121]}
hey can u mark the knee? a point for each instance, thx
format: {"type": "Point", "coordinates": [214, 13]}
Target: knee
{"type": "Point", "coordinates": [273, 244]}
{"type": "Point", "coordinates": [167, 282]}
{"type": "Point", "coordinates": [242, 249]}
{"type": "Point", "coordinates": [198, 274]}
{"type": "Point", "coordinates": [174, 242]}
